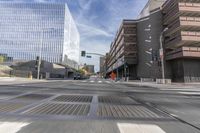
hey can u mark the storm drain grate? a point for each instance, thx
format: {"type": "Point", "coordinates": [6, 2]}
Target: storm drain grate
{"type": "Point", "coordinates": [125, 111]}
{"type": "Point", "coordinates": [32, 97]}
{"type": "Point", "coordinates": [116, 100]}
{"type": "Point", "coordinates": [10, 107]}
{"type": "Point", "coordinates": [73, 98]}
{"type": "Point", "coordinates": [60, 109]}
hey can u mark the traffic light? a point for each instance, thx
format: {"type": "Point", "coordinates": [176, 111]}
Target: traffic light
{"type": "Point", "coordinates": [37, 62]}
{"type": "Point", "coordinates": [83, 53]}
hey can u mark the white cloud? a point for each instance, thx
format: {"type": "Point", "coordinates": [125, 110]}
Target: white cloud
{"type": "Point", "coordinates": [43, 1]}
{"type": "Point", "coordinates": [40, 1]}
{"type": "Point", "coordinates": [90, 31]}
{"type": "Point", "coordinates": [85, 4]}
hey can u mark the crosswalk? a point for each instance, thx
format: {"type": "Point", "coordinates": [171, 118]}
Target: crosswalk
{"type": "Point", "coordinates": [184, 91]}
{"type": "Point", "coordinates": [97, 81]}
{"type": "Point", "coordinates": [11, 127]}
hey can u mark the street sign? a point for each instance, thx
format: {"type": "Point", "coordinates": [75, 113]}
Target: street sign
{"type": "Point", "coordinates": [88, 56]}
{"type": "Point", "coordinates": [83, 53]}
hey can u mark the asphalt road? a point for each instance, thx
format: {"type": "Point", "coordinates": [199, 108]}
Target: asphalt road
{"type": "Point", "coordinates": [97, 106]}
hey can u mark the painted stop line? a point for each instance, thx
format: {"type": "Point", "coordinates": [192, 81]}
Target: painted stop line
{"type": "Point", "coordinates": [139, 128]}
{"type": "Point", "coordinates": [11, 127]}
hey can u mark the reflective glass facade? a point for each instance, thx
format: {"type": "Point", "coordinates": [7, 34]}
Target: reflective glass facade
{"type": "Point", "coordinates": [25, 28]}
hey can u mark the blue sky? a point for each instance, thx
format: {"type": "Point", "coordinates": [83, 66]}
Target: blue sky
{"type": "Point", "coordinates": [98, 21]}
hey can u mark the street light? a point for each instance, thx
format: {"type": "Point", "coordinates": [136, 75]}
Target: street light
{"type": "Point", "coordinates": [40, 54]}
{"type": "Point", "coordinates": [162, 55]}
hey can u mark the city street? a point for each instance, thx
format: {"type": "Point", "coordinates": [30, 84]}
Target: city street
{"type": "Point", "coordinates": [97, 106]}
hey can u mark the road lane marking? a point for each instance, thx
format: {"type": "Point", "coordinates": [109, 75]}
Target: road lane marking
{"type": "Point", "coordinates": [99, 81]}
{"type": "Point", "coordinates": [92, 81]}
{"type": "Point", "coordinates": [12, 127]}
{"type": "Point", "coordinates": [196, 90]}
{"type": "Point", "coordinates": [139, 128]}
{"type": "Point", "coordinates": [190, 93]}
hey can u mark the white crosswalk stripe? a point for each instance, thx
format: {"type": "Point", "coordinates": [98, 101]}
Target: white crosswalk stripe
{"type": "Point", "coordinates": [96, 81]}
{"type": "Point", "coordinates": [139, 128]}
{"type": "Point", "coordinates": [190, 93]}
{"type": "Point", "coordinates": [11, 127]}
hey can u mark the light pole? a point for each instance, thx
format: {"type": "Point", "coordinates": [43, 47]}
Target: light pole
{"type": "Point", "coordinates": [40, 54]}
{"type": "Point", "coordinates": [162, 55]}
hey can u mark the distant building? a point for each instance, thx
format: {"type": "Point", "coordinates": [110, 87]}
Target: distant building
{"type": "Point", "coordinates": [47, 70]}
{"type": "Point", "coordinates": [181, 43]}
{"type": "Point", "coordinates": [27, 28]}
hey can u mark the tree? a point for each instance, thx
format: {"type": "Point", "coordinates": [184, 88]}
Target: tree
{"type": "Point", "coordinates": [2, 59]}
{"type": "Point", "coordinates": [81, 71]}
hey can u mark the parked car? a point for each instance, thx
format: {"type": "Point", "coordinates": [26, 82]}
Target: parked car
{"type": "Point", "coordinates": [77, 77]}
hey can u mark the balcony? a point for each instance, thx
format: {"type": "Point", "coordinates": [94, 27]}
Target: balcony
{"type": "Point", "coordinates": [189, 7]}
{"type": "Point", "coordinates": [184, 52]}
{"type": "Point", "coordinates": [180, 9]}
{"type": "Point", "coordinates": [183, 38]}
{"type": "Point", "coordinates": [184, 23]}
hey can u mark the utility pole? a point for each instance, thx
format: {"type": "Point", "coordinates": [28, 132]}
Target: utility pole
{"type": "Point", "coordinates": [40, 54]}
{"type": "Point", "coordinates": [162, 55]}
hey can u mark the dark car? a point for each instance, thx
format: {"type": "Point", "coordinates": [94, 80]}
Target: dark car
{"type": "Point", "coordinates": [77, 77]}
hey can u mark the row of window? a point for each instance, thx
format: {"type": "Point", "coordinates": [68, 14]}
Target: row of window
{"type": "Point", "coordinates": [32, 5]}
{"type": "Point", "coordinates": [37, 12]}
{"type": "Point", "coordinates": [32, 56]}
{"type": "Point", "coordinates": [18, 33]}
{"type": "Point", "coordinates": [55, 47]}
{"type": "Point", "coordinates": [31, 17]}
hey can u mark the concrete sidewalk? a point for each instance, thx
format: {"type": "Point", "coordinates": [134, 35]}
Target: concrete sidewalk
{"type": "Point", "coordinates": [164, 86]}
{"type": "Point", "coordinates": [16, 80]}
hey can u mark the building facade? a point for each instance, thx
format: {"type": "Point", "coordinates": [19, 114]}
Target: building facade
{"type": "Point", "coordinates": [28, 28]}
{"type": "Point", "coordinates": [151, 5]}
{"type": "Point", "coordinates": [102, 68]}
{"type": "Point", "coordinates": [181, 42]}
{"type": "Point", "coordinates": [182, 39]}
{"type": "Point", "coordinates": [122, 57]}
{"type": "Point", "coordinates": [149, 29]}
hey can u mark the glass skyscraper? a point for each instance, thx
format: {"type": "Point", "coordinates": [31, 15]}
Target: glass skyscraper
{"type": "Point", "coordinates": [27, 28]}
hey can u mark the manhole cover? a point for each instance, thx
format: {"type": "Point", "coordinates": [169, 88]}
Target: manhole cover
{"type": "Point", "coordinates": [32, 97]}
{"type": "Point", "coordinates": [10, 107]}
{"type": "Point", "coordinates": [73, 98]}
{"type": "Point", "coordinates": [125, 111]}
{"type": "Point", "coordinates": [60, 109]}
{"type": "Point", "coordinates": [116, 100]}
